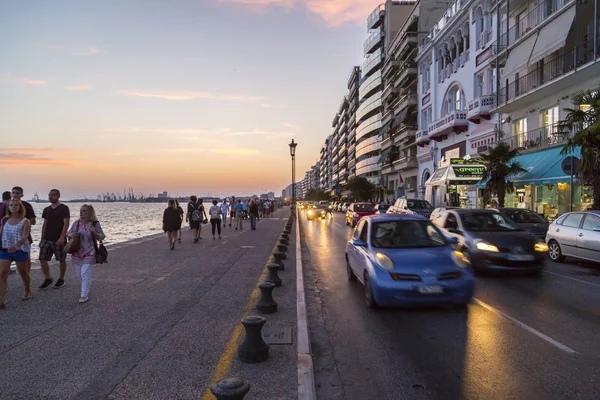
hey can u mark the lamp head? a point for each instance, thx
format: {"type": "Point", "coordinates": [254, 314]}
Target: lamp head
{"type": "Point", "coordinates": [293, 148]}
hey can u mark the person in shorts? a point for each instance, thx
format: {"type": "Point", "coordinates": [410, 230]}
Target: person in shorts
{"type": "Point", "coordinates": [17, 193]}
{"type": "Point", "coordinates": [14, 246]}
{"type": "Point", "coordinates": [194, 217]}
{"type": "Point", "coordinates": [54, 235]}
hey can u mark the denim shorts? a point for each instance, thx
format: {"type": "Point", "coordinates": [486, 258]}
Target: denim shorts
{"type": "Point", "coordinates": [18, 256]}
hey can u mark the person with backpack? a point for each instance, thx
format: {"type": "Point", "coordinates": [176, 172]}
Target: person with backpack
{"type": "Point", "coordinates": [87, 231]}
{"type": "Point", "coordinates": [14, 246]}
{"type": "Point", "coordinates": [194, 217]}
{"type": "Point", "coordinates": [215, 218]}
{"type": "Point", "coordinates": [180, 216]}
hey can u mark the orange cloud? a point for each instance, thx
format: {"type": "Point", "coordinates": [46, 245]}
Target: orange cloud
{"type": "Point", "coordinates": [180, 96]}
{"type": "Point", "coordinates": [334, 12]}
{"type": "Point", "coordinates": [234, 151]}
{"type": "Point", "coordinates": [19, 159]}
{"type": "Point", "coordinates": [17, 79]}
{"type": "Point", "coordinates": [85, 86]}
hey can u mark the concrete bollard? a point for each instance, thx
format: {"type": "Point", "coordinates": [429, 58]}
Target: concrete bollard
{"type": "Point", "coordinates": [278, 256]}
{"type": "Point", "coordinates": [252, 348]}
{"type": "Point", "coordinates": [273, 276]}
{"type": "Point", "coordinates": [287, 231]}
{"type": "Point", "coordinates": [285, 236]}
{"type": "Point", "coordinates": [230, 389]}
{"type": "Point", "coordinates": [266, 304]}
{"type": "Point", "coordinates": [282, 248]}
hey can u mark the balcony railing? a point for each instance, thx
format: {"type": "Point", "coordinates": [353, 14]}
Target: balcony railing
{"type": "Point", "coordinates": [535, 17]}
{"type": "Point", "coordinates": [481, 106]}
{"type": "Point", "coordinates": [547, 136]}
{"type": "Point", "coordinates": [406, 162]}
{"type": "Point", "coordinates": [422, 137]}
{"type": "Point", "coordinates": [551, 70]}
{"type": "Point", "coordinates": [375, 17]}
{"type": "Point", "coordinates": [372, 41]}
{"type": "Point", "coordinates": [455, 121]}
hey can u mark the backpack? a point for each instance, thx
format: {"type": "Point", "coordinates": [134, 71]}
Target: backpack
{"type": "Point", "coordinates": [197, 214]}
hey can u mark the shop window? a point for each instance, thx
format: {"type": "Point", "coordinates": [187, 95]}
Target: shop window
{"type": "Point", "coordinates": [573, 220]}
{"type": "Point", "coordinates": [591, 221]}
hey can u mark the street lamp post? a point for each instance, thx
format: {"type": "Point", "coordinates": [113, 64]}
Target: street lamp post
{"type": "Point", "coordinates": [293, 154]}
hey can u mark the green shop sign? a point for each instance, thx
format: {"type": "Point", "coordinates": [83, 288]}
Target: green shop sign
{"type": "Point", "coordinates": [469, 171]}
{"type": "Point", "coordinates": [462, 161]}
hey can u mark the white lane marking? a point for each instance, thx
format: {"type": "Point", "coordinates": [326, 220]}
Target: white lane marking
{"type": "Point", "coordinates": [573, 279]}
{"type": "Point", "coordinates": [338, 224]}
{"type": "Point", "coordinates": [539, 334]}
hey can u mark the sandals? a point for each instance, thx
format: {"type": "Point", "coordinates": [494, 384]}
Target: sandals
{"type": "Point", "coordinates": [27, 296]}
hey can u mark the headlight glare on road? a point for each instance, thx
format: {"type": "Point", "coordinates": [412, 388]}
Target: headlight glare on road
{"type": "Point", "coordinates": [460, 259]}
{"type": "Point", "coordinates": [309, 212]}
{"type": "Point", "coordinates": [541, 247]}
{"type": "Point", "coordinates": [483, 246]}
{"type": "Point", "coordinates": [384, 261]}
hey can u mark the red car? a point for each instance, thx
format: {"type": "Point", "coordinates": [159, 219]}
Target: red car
{"type": "Point", "coordinates": [358, 210]}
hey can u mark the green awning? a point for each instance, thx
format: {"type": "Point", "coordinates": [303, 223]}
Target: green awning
{"type": "Point", "coordinates": [543, 168]}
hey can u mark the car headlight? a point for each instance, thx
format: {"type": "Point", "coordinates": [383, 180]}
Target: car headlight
{"type": "Point", "coordinates": [323, 212]}
{"type": "Point", "coordinates": [483, 246]}
{"type": "Point", "coordinates": [541, 247]}
{"type": "Point", "coordinates": [384, 261]}
{"type": "Point", "coordinates": [309, 212]}
{"type": "Point", "coordinates": [460, 259]}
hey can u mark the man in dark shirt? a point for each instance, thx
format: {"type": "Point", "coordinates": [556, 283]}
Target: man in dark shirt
{"type": "Point", "coordinates": [17, 193]}
{"type": "Point", "coordinates": [54, 232]}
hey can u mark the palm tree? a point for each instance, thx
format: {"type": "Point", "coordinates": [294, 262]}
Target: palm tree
{"type": "Point", "coordinates": [585, 120]}
{"type": "Point", "coordinates": [499, 168]}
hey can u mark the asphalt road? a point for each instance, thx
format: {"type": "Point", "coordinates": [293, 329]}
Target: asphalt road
{"type": "Point", "coordinates": [520, 338]}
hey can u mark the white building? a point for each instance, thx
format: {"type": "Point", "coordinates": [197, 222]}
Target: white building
{"type": "Point", "coordinates": [457, 82]}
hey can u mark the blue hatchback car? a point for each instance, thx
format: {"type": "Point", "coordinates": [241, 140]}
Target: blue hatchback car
{"type": "Point", "coordinates": [405, 260]}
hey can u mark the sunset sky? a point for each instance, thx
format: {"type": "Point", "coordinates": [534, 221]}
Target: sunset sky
{"type": "Point", "coordinates": [196, 96]}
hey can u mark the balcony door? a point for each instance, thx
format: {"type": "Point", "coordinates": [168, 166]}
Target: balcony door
{"type": "Point", "coordinates": [549, 120]}
{"type": "Point", "coordinates": [520, 131]}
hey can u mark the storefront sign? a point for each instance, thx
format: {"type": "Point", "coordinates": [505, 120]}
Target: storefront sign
{"type": "Point", "coordinates": [470, 171]}
{"type": "Point", "coordinates": [462, 161]}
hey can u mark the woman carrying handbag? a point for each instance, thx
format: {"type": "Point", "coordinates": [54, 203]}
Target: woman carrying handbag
{"type": "Point", "coordinates": [86, 232]}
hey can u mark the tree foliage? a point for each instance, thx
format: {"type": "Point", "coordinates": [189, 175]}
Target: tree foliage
{"type": "Point", "coordinates": [499, 168]}
{"type": "Point", "coordinates": [360, 188]}
{"type": "Point", "coordinates": [585, 122]}
{"type": "Point", "coordinates": [316, 195]}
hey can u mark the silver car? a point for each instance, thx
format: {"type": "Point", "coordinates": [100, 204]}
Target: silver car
{"type": "Point", "coordinates": [575, 234]}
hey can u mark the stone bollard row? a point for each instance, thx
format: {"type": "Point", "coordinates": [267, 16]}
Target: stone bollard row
{"type": "Point", "coordinates": [273, 276]}
{"type": "Point", "coordinates": [253, 349]}
{"type": "Point", "coordinates": [282, 248]}
{"type": "Point", "coordinates": [278, 256]}
{"type": "Point", "coordinates": [266, 304]}
{"type": "Point", "coordinates": [230, 389]}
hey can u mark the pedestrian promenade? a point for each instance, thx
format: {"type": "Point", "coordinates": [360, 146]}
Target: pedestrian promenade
{"type": "Point", "coordinates": [160, 324]}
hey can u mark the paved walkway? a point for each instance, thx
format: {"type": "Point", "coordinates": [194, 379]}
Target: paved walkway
{"type": "Point", "coordinates": [160, 324]}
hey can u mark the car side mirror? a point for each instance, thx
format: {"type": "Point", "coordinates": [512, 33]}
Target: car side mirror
{"type": "Point", "coordinates": [359, 243]}
{"type": "Point", "coordinates": [453, 240]}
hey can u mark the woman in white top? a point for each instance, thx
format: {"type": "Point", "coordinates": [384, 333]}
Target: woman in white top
{"type": "Point", "coordinates": [215, 218]}
{"type": "Point", "coordinates": [14, 246]}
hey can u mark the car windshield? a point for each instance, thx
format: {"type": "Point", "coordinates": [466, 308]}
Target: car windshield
{"type": "Point", "coordinates": [383, 206]}
{"type": "Point", "coordinates": [488, 222]}
{"type": "Point", "coordinates": [406, 235]}
{"type": "Point", "coordinates": [363, 208]}
{"type": "Point", "coordinates": [419, 205]}
{"type": "Point", "coordinates": [524, 216]}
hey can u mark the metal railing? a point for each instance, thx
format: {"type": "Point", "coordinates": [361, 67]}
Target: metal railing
{"type": "Point", "coordinates": [375, 15]}
{"type": "Point", "coordinates": [551, 70]}
{"type": "Point", "coordinates": [547, 136]}
{"type": "Point", "coordinates": [535, 17]}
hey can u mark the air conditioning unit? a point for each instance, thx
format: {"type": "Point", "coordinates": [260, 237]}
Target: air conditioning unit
{"type": "Point", "coordinates": [483, 149]}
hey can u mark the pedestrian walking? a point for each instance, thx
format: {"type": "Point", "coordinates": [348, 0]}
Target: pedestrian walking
{"type": "Point", "coordinates": [14, 246]}
{"type": "Point", "coordinates": [171, 223]}
{"type": "Point", "coordinates": [181, 214]}
{"type": "Point", "coordinates": [224, 212]}
{"type": "Point", "coordinates": [88, 231]}
{"type": "Point", "coordinates": [267, 208]}
{"type": "Point", "coordinates": [204, 220]}
{"type": "Point", "coordinates": [54, 235]}
{"type": "Point", "coordinates": [4, 205]}
{"type": "Point", "coordinates": [261, 208]}
{"type": "Point", "coordinates": [17, 193]}
{"type": "Point", "coordinates": [215, 218]}
{"type": "Point", "coordinates": [232, 210]}
{"type": "Point", "coordinates": [194, 217]}
{"type": "Point", "coordinates": [239, 215]}
{"type": "Point", "coordinates": [253, 210]}
{"type": "Point", "coordinates": [245, 208]}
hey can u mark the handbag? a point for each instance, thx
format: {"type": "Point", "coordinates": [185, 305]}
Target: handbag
{"type": "Point", "coordinates": [74, 243]}
{"type": "Point", "coordinates": [101, 252]}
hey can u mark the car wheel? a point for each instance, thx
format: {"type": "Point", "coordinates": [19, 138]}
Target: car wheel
{"type": "Point", "coordinates": [554, 252]}
{"type": "Point", "coordinates": [369, 299]}
{"type": "Point", "coordinates": [351, 276]}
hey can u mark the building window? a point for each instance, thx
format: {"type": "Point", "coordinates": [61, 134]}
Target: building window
{"type": "Point", "coordinates": [479, 85]}
{"type": "Point", "coordinates": [520, 130]}
{"type": "Point", "coordinates": [548, 120]}
{"type": "Point", "coordinates": [455, 100]}
{"type": "Point", "coordinates": [491, 81]}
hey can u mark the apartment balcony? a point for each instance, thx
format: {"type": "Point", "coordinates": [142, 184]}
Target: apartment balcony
{"type": "Point", "coordinates": [387, 168]}
{"type": "Point", "coordinates": [390, 67]}
{"type": "Point", "coordinates": [529, 22]}
{"type": "Point", "coordinates": [372, 62]}
{"type": "Point", "coordinates": [409, 162]}
{"type": "Point", "coordinates": [409, 42]}
{"type": "Point", "coordinates": [484, 38]}
{"type": "Point", "coordinates": [406, 75]}
{"type": "Point", "coordinates": [554, 76]}
{"type": "Point", "coordinates": [376, 17]}
{"type": "Point", "coordinates": [386, 143]}
{"type": "Point", "coordinates": [371, 83]}
{"type": "Point", "coordinates": [455, 122]}
{"type": "Point", "coordinates": [405, 101]}
{"type": "Point", "coordinates": [404, 134]}
{"type": "Point", "coordinates": [480, 108]}
{"type": "Point", "coordinates": [538, 139]}
{"type": "Point", "coordinates": [387, 116]}
{"type": "Point", "coordinates": [388, 92]}
{"type": "Point", "coordinates": [373, 42]}
{"type": "Point", "coordinates": [422, 137]}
